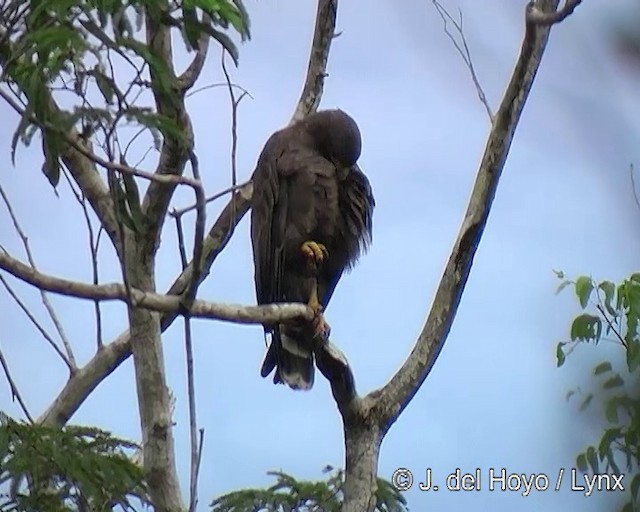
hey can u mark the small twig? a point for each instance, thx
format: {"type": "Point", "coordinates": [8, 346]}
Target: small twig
{"type": "Point", "coordinates": [70, 359]}
{"type": "Point", "coordinates": [234, 121]}
{"type": "Point", "coordinates": [463, 50]}
{"type": "Point", "coordinates": [15, 393]}
{"type": "Point", "coordinates": [93, 247]}
{"type": "Point", "coordinates": [213, 86]}
{"type": "Point", "coordinates": [181, 246]}
{"type": "Point", "coordinates": [234, 125]}
{"type": "Point", "coordinates": [181, 211]}
{"type": "Point", "coordinates": [193, 422]}
{"type": "Point", "coordinates": [611, 326]}
{"type": "Point", "coordinates": [535, 15]}
{"type": "Point", "coordinates": [36, 324]}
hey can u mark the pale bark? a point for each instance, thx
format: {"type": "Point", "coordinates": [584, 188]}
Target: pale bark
{"type": "Point", "coordinates": [154, 402]}
{"type": "Point", "coordinates": [367, 420]}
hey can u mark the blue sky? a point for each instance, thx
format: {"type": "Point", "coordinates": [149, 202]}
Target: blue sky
{"type": "Point", "coordinates": [494, 398]}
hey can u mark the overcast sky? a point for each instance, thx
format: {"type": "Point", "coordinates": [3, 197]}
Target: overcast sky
{"type": "Point", "coordinates": [495, 397]}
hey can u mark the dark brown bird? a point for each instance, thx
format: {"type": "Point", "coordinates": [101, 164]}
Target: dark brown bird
{"type": "Point", "coordinates": [311, 218]}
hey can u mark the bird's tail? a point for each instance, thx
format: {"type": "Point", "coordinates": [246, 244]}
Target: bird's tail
{"type": "Point", "coordinates": [290, 353]}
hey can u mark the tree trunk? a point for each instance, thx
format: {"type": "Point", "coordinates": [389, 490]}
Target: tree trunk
{"type": "Point", "coordinates": [362, 438]}
{"type": "Point", "coordinates": [153, 395]}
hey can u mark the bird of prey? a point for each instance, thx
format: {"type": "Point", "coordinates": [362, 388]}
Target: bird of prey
{"type": "Point", "coordinates": [311, 218]}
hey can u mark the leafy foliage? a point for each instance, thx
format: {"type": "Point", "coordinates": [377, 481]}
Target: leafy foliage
{"type": "Point", "coordinates": [76, 46]}
{"type": "Point", "coordinates": [614, 316]}
{"type": "Point", "coordinates": [70, 469]}
{"type": "Point", "coordinates": [291, 495]}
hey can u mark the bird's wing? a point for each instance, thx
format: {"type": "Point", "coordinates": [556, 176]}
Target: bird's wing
{"type": "Point", "coordinates": [356, 214]}
{"type": "Point", "coordinates": [266, 238]}
{"type": "Point", "coordinates": [284, 189]}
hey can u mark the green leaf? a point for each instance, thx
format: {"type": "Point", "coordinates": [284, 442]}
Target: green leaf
{"type": "Point", "coordinates": [51, 165]}
{"type": "Point", "coordinates": [560, 356]}
{"type": "Point", "coordinates": [585, 403]}
{"type": "Point", "coordinates": [635, 487]}
{"type": "Point", "coordinates": [628, 507]}
{"type": "Point", "coordinates": [132, 197]}
{"type": "Point", "coordinates": [191, 27]}
{"type": "Point", "coordinates": [609, 290]}
{"type": "Point", "coordinates": [586, 327]}
{"type": "Point", "coordinates": [633, 355]}
{"type": "Point", "coordinates": [609, 436]}
{"type": "Point", "coordinates": [581, 462]}
{"type": "Point", "coordinates": [225, 41]}
{"type": "Point", "coordinates": [611, 410]}
{"type": "Point", "coordinates": [613, 382]}
{"type": "Point", "coordinates": [592, 458]}
{"type": "Point", "coordinates": [584, 287]}
{"type": "Point", "coordinates": [106, 85]}
{"type": "Point", "coordinates": [602, 368]}
{"type": "Point", "coordinates": [635, 277]}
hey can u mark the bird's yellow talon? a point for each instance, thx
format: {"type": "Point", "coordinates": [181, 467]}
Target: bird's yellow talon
{"type": "Point", "coordinates": [314, 250]}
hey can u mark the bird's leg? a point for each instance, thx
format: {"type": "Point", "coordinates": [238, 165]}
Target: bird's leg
{"type": "Point", "coordinates": [316, 254]}
{"type": "Point", "coordinates": [320, 326]}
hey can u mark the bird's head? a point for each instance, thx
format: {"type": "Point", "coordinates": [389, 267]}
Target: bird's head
{"type": "Point", "coordinates": [336, 135]}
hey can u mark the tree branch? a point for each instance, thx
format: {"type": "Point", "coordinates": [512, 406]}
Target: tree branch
{"type": "Point", "coordinates": [69, 359]}
{"type": "Point", "coordinates": [48, 338]}
{"type": "Point", "coordinates": [399, 391]}
{"type": "Point", "coordinates": [542, 17]}
{"type": "Point", "coordinates": [463, 50]}
{"type": "Point", "coordinates": [106, 360]}
{"type": "Point", "coordinates": [175, 148]}
{"type": "Point", "coordinates": [317, 69]}
{"type": "Point", "coordinates": [110, 356]}
{"type": "Point", "coordinates": [153, 301]}
{"type": "Point", "coordinates": [15, 392]}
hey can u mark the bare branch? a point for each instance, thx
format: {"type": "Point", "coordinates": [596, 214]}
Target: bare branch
{"type": "Point", "coordinates": [181, 211]}
{"type": "Point", "coordinates": [48, 338]}
{"type": "Point", "coordinates": [333, 364]}
{"type": "Point", "coordinates": [193, 421]}
{"type": "Point", "coordinates": [201, 218]}
{"type": "Point", "coordinates": [153, 301]}
{"type": "Point", "coordinates": [399, 391]}
{"type": "Point", "coordinates": [69, 360]}
{"type": "Point", "coordinates": [540, 17]}
{"type": "Point", "coordinates": [105, 361]}
{"type": "Point", "coordinates": [213, 86]}
{"type": "Point", "coordinates": [234, 122]}
{"type": "Point", "coordinates": [94, 243]}
{"type": "Point", "coordinates": [15, 392]}
{"type": "Point", "coordinates": [316, 71]}
{"type": "Point", "coordinates": [463, 50]}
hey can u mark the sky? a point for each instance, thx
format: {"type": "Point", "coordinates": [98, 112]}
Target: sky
{"type": "Point", "coordinates": [494, 398]}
